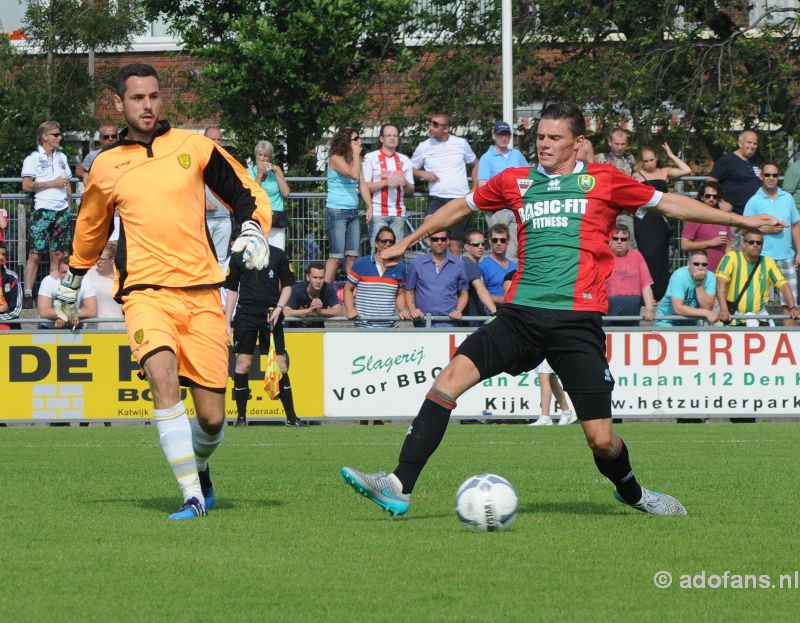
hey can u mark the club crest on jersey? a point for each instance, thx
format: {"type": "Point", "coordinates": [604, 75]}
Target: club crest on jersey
{"type": "Point", "coordinates": [138, 336]}
{"type": "Point", "coordinates": [553, 184]}
{"type": "Point", "coordinates": [586, 182]}
{"type": "Point", "coordinates": [185, 160]}
{"type": "Point", "coordinates": [524, 185]}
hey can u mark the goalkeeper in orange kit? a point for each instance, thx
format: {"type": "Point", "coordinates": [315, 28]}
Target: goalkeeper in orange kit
{"type": "Point", "coordinates": [168, 277]}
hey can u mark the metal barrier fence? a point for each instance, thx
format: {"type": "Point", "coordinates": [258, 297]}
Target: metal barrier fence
{"type": "Point", "coordinates": [305, 240]}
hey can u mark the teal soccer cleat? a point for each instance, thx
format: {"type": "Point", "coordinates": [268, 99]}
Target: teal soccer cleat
{"type": "Point", "coordinates": [191, 509]}
{"type": "Point", "coordinates": [380, 489]}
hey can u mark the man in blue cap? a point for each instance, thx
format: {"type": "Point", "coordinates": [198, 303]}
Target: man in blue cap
{"type": "Point", "coordinates": [496, 159]}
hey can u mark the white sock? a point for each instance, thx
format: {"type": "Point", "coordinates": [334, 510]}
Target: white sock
{"type": "Point", "coordinates": [204, 444]}
{"type": "Point", "coordinates": [175, 437]}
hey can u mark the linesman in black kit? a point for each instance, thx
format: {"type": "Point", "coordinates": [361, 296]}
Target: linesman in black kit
{"type": "Point", "coordinates": [254, 304]}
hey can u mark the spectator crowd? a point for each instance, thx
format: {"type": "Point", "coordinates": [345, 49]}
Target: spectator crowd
{"type": "Point", "coordinates": [730, 276]}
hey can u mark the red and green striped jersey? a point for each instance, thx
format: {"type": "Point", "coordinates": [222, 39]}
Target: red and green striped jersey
{"type": "Point", "coordinates": [564, 225]}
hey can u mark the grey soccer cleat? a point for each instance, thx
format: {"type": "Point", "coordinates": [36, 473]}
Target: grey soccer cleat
{"type": "Point", "coordinates": [380, 489]}
{"type": "Point", "coordinates": [655, 503]}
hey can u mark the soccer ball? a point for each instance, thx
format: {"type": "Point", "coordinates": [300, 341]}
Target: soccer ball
{"type": "Point", "coordinates": [486, 503]}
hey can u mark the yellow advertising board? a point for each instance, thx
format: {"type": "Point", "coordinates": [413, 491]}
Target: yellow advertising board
{"type": "Point", "coordinates": [92, 376]}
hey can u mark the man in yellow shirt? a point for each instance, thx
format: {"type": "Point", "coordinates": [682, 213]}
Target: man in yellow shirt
{"type": "Point", "coordinates": [749, 295]}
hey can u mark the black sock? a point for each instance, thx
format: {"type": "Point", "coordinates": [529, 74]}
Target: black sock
{"type": "Point", "coordinates": [287, 400]}
{"type": "Point", "coordinates": [617, 468]}
{"type": "Point", "coordinates": [424, 436]}
{"type": "Point", "coordinates": [241, 393]}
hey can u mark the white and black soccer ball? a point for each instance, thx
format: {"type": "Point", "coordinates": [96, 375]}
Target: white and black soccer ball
{"type": "Point", "coordinates": [486, 503]}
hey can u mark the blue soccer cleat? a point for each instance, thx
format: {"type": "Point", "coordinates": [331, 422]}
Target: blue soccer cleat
{"type": "Point", "coordinates": [380, 489]}
{"type": "Point", "coordinates": [207, 488]}
{"type": "Point", "coordinates": [191, 509]}
{"type": "Point", "coordinates": [655, 503]}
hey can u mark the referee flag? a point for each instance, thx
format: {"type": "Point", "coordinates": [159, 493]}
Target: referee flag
{"type": "Point", "coordinates": [272, 375]}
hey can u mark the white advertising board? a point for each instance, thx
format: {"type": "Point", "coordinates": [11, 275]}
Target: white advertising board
{"type": "Point", "coordinates": [383, 374]}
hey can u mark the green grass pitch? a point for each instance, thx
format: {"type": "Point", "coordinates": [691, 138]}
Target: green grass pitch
{"type": "Point", "coordinates": [84, 534]}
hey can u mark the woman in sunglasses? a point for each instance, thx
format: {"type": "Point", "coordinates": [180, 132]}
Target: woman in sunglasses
{"type": "Point", "coordinates": [715, 240]}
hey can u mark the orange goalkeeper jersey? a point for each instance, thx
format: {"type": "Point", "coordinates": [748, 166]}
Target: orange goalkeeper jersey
{"type": "Point", "coordinates": [159, 190]}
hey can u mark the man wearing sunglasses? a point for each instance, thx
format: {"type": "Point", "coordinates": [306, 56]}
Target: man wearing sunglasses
{"type": "Point", "coordinates": [740, 293]}
{"type": "Point", "coordinates": [379, 287]}
{"type": "Point", "coordinates": [690, 293]}
{"type": "Point", "coordinates": [781, 245]}
{"type": "Point", "coordinates": [108, 136]}
{"type": "Point", "coordinates": [436, 284]}
{"type": "Point", "coordinates": [45, 174]}
{"type": "Point", "coordinates": [442, 161]}
{"type": "Point", "coordinates": [567, 210]}
{"type": "Point", "coordinates": [496, 266]}
{"type": "Point", "coordinates": [713, 239]}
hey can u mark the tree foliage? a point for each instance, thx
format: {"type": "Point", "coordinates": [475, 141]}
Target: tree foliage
{"type": "Point", "coordinates": [49, 78]}
{"type": "Point", "coordinates": [286, 69]}
{"type": "Point", "coordinates": [693, 70]}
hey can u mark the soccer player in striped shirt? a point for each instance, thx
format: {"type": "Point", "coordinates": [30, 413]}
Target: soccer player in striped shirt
{"type": "Point", "coordinates": [566, 211]}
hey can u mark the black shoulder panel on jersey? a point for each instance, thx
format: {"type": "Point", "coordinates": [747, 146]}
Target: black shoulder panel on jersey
{"type": "Point", "coordinates": [221, 177]}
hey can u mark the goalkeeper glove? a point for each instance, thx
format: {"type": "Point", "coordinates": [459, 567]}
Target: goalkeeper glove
{"type": "Point", "coordinates": [253, 246]}
{"type": "Point", "coordinates": [66, 298]}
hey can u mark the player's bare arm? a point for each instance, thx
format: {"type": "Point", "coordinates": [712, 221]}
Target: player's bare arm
{"type": "Point", "coordinates": [687, 209]}
{"type": "Point", "coordinates": [449, 214]}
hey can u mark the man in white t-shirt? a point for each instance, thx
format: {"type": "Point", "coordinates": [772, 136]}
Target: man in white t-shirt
{"type": "Point", "coordinates": [388, 177]}
{"type": "Point", "coordinates": [441, 160]}
{"type": "Point", "coordinates": [86, 301]}
{"type": "Point", "coordinates": [46, 173]}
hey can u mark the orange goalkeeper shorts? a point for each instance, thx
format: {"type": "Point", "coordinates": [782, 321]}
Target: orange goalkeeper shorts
{"type": "Point", "coordinates": [190, 323]}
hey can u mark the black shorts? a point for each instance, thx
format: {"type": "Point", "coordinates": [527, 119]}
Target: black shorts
{"type": "Point", "coordinates": [247, 330]}
{"type": "Point", "coordinates": [519, 338]}
{"type": "Point", "coordinates": [457, 231]}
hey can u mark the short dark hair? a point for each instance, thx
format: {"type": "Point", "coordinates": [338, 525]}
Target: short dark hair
{"type": "Point", "coordinates": [314, 266]}
{"type": "Point", "coordinates": [569, 111]}
{"type": "Point", "coordinates": [621, 227]}
{"type": "Point", "coordinates": [471, 232]}
{"type": "Point", "coordinates": [140, 70]}
{"type": "Point", "coordinates": [748, 232]}
{"type": "Point", "coordinates": [500, 228]}
{"type": "Point", "coordinates": [388, 125]}
{"type": "Point", "coordinates": [383, 229]}
{"type": "Point", "coordinates": [769, 163]}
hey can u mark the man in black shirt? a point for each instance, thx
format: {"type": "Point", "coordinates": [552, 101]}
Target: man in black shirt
{"type": "Point", "coordinates": [313, 298]}
{"type": "Point", "coordinates": [738, 172]}
{"type": "Point", "coordinates": [258, 298]}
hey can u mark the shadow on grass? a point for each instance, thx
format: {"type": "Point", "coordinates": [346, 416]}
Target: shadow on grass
{"type": "Point", "coordinates": [168, 504]}
{"type": "Point", "coordinates": [577, 508]}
